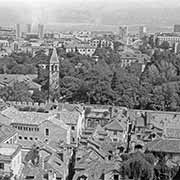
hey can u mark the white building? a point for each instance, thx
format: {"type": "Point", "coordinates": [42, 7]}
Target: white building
{"type": "Point", "coordinates": [10, 160]}
{"type": "Point", "coordinates": [83, 49]}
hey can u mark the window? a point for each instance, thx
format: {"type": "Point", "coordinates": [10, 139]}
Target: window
{"type": "Point", "coordinates": [29, 177]}
{"type": "Point", "coordinates": [47, 132]}
{"type": "Point", "coordinates": [115, 140]}
{"type": "Point", "coordinates": [36, 139]}
{"type": "Point", "coordinates": [20, 137]}
{"type": "Point", "coordinates": [72, 128]}
{"type": "Point", "coordinates": [31, 138]}
{"type": "Point", "coordinates": [2, 166]}
{"type": "Point", "coordinates": [116, 177]}
{"type": "Point", "coordinates": [25, 138]}
{"type": "Point", "coordinates": [115, 133]}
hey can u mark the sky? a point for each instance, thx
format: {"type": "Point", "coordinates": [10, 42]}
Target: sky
{"type": "Point", "coordinates": [45, 11]}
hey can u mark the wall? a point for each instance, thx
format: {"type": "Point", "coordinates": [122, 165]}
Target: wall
{"type": "Point", "coordinates": [119, 135]}
{"type": "Point", "coordinates": [16, 163]}
{"type": "Point", "coordinates": [56, 132]}
{"type": "Point", "coordinates": [12, 140]}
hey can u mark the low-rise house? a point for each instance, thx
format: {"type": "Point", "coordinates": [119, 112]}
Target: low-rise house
{"type": "Point", "coordinates": [10, 161]}
{"type": "Point", "coordinates": [96, 115]}
{"type": "Point", "coordinates": [99, 133]}
{"type": "Point", "coordinates": [50, 163]}
{"type": "Point", "coordinates": [97, 161]}
{"type": "Point", "coordinates": [115, 131]}
{"type": "Point", "coordinates": [129, 57]}
{"type": "Point", "coordinates": [11, 79]}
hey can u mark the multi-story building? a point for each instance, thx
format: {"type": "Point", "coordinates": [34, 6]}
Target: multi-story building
{"type": "Point", "coordinates": [123, 33]}
{"type": "Point", "coordinates": [28, 28]}
{"type": "Point", "coordinates": [169, 37]}
{"type": "Point", "coordinates": [41, 30]}
{"type": "Point", "coordinates": [35, 126]}
{"type": "Point", "coordinates": [7, 32]}
{"type": "Point", "coordinates": [177, 48]}
{"type": "Point", "coordinates": [18, 31]}
{"type": "Point", "coordinates": [127, 58]}
{"type": "Point", "coordinates": [101, 42]}
{"type": "Point", "coordinates": [142, 31]}
{"type": "Point", "coordinates": [176, 28]}
{"type": "Point", "coordinates": [10, 161]}
{"type": "Point", "coordinates": [83, 49]}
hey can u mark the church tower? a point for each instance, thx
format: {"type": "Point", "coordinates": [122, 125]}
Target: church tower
{"type": "Point", "coordinates": [53, 74]}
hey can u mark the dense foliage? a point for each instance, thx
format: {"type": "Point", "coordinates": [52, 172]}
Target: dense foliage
{"type": "Point", "coordinates": [84, 80]}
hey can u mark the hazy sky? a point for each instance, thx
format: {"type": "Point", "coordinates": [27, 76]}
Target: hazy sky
{"type": "Point", "coordinates": [49, 10]}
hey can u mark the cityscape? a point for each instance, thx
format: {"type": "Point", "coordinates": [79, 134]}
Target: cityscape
{"type": "Point", "coordinates": [89, 103]}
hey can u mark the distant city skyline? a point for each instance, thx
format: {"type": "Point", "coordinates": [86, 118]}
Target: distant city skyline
{"type": "Point", "coordinates": [102, 13]}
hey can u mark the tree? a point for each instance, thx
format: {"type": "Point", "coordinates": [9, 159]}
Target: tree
{"type": "Point", "coordinates": [164, 170]}
{"type": "Point", "coordinates": [138, 166]}
{"type": "Point", "coordinates": [33, 155]}
{"type": "Point", "coordinates": [165, 45]}
{"type": "Point", "coordinates": [39, 96]}
{"type": "Point", "coordinates": [21, 92]}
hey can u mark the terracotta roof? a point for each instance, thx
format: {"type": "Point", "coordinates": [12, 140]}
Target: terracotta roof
{"type": "Point", "coordinates": [35, 118]}
{"type": "Point", "coordinates": [114, 126]}
{"type": "Point", "coordinates": [55, 163]}
{"type": "Point", "coordinates": [4, 119]}
{"type": "Point", "coordinates": [69, 117]}
{"type": "Point", "coordinates": [164, 145]}
{"type": "Point", "coordinates": [100, 130]}
{"type": "Point", "coordinates": [16, 116]}
{"type": "Point", "coordinates": [30, 170]}
{"type": "Point", "coordinates": [6, 132]}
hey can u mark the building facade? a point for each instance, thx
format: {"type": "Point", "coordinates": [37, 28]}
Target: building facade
{"type": "Point", "coordinates": [10, 161]}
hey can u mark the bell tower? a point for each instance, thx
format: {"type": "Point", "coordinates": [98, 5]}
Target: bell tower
{"type": "Point", "coordinates": [53, 74]}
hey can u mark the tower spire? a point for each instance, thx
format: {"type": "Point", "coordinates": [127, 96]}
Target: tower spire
{"type": "Point", "coordinates": [53, 75]}
{"type": "Point", "coordinates": [54, 57]}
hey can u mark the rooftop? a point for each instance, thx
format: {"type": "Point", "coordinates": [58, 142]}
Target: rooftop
{"type": "Point", "coordinates": [8, 150]}
{"type": "Point", "coordinates": [5, 131]}
{"type": "Point", "coordinates": [114, 125]}
{"type": "Point", "coordinates": [164, 145]}
{"type": "Point", "coordinates": [9, 79]}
